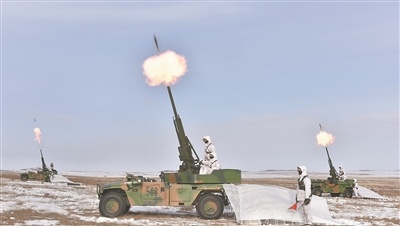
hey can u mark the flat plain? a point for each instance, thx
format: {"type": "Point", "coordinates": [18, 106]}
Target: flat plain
{"type": "Point", "coordinates": [41, 203]}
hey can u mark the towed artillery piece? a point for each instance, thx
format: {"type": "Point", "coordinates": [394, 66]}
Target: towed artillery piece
{"type": "Point", "coordinates": [186, 187]}
{"type": "Point", "coordinates": [333, 184]}
{"type": "Point", "coordinates": [43, 174]}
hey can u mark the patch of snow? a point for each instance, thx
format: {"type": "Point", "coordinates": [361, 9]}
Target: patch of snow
{"type": "Point", "coordinates": [368, 211]}
{"type": "Point", "coordinates": [7, 206]}
{"type": "Point", "coordinates": [41, 222]}
{"type": "Point", "coordinates": [125, 221]}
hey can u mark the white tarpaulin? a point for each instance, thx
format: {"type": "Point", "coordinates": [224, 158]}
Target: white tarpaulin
{"type": "Point", "coordinates": [256, 204]}
{"type": "Point", "coordinates": [364, 192]}
{"type": "Point", "coordinates": [61, 179]}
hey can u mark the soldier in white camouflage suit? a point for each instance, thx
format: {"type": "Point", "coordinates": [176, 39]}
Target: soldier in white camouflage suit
{"type": "Point", "coordinates": [342, 173]}
{"type": "Point", "coordinates": [210, 161]}
{"type": "Point", "coordinates": [303, 195]}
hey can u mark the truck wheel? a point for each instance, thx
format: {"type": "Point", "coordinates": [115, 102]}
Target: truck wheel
{"type": "Point", "coordinates": [210, 206]}
{"type": "Point", "coordinates": [112, 204]}
{"type": "Point", "coordinates": [348, 193]}
{"type": "Point", "coordinates": [24, 177]}
{"type": "Point", "coordinates": [128, 207]}
{"type": "Point", "coordinates": [317, 192]}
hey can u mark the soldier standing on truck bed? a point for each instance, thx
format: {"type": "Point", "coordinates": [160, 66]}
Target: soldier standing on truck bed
{"type": "Point", "coordinates": [210, 161]}
{"type": "Point", "coordinates": [303, 195]}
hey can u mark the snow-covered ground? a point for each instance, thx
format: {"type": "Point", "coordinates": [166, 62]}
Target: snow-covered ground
{"type": "Point", "coordinates": [37, 203]}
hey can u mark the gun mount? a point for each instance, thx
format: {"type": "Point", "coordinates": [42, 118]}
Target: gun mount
{"type": "Point", "coordinates": [189, 163]}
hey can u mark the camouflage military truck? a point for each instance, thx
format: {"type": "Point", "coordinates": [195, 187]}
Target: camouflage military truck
{"type": "Point", "coordinates": [333, 185]}
{"type": "Point", "coordinates": [186, 187]}
{"type": "Point", "coordinates": [43, 174]}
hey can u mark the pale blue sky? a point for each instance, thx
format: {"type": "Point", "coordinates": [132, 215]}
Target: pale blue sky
{"type": "Point", "coordinates": [261, 77]}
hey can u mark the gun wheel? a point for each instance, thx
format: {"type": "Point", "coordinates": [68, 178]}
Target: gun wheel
{"type": "Point", "coordinates": [127, 208]}
{"type": "Point", "coordinates": [317, 192]}
{"type": "Point", "coordinates": [348, 193]}
{"type": "Point", "coordinates": [24, 177]}
{"type": "Point", "coordinates": [112, 204]}
{"type": "Point", "coordinates": [210, 207]}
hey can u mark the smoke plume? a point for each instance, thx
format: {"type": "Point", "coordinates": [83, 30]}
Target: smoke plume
{"type": "Point", "coordinates": [164, 68]}
{"type": "Point", "coordinates": [38, 135]}
{"type": "Point", "coordinates": [325, 139]}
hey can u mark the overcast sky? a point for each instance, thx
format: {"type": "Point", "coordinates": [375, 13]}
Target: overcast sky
{"type": "Point", "coordinates": [261, 77]}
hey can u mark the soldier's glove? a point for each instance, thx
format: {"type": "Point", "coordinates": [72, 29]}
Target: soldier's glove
{"type": "Point", "coordinates": [307, 201]}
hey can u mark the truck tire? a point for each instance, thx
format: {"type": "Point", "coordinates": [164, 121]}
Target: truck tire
{"type": "Point", "coordinates": [317, 192]}
{"type": "Point", "coordinates": [210, 206]}
{"type": "Point", "coordinates": [112, 204]}
{"type": "Point", "coordinates": [128, 207]}
{"type": "Point", "coordinates": [348, 193]}
{"type": "Point", "coordinates": [24, 177]}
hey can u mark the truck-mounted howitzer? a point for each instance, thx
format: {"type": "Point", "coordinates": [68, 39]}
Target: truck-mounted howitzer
{"type": "Point", "coordinates": [183, 188]}
{"type": "Point", "coordinates": [332, 185]}
{"type": "Point", "coordinates": [41, 174]}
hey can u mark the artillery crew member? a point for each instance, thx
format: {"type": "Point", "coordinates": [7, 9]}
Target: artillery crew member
{"type": "Point", "coordinates": [342, 173]}
{"type": "Point", "coordinates": [210, 148]}
{"type": "Point", "coordinates": [303, 194]}
{"type": "Point", "coordinates": [355, 189]}
{"type": "Point", "coordinates": [210, 161]}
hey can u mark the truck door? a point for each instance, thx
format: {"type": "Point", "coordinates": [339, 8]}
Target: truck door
{"type": "Point", "coordinates": [181, 195]}
{"type": "Point", "coordinates": [154, 194]}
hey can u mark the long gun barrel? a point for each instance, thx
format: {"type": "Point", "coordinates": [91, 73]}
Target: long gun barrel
{"type": "Point", "coordinates": [44, 167]}
{"type": "Point", "coordinates": [332, 170]}
{"type": "Point", "coordinates": [189, 164]}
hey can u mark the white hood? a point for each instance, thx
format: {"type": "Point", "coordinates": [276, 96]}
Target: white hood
{"type": "Point", "coordinates": [303, 171]}
{"type": "Point", "coordinates": [207, 138]}
{"type": "Point", "coordinates": [210, 148]}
